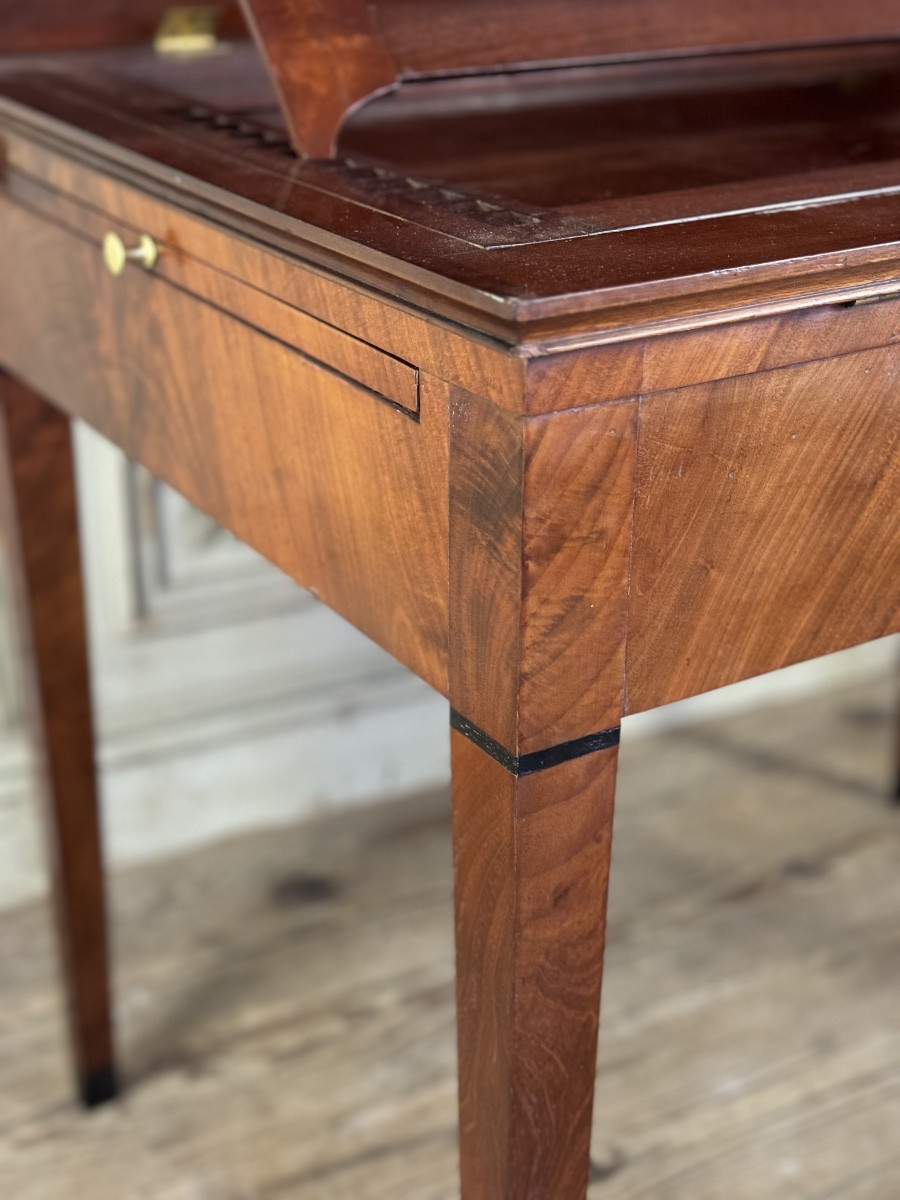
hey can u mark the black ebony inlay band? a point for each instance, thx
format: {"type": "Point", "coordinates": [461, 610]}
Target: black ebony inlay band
{"type": "Point", "coordinates": [98, 1087]}
{"type": "Point", "coordinates": [537, 760]}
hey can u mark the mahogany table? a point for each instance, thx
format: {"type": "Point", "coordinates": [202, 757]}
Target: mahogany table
{"type": "Point", "coordinates": [575, 415]}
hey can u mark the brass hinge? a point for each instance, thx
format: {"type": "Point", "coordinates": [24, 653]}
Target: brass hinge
{"type": "Point", "coordinates": [192, 30]}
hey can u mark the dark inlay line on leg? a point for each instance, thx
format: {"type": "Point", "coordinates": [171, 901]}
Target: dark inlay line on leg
{"type": "Point", "coordinates": [484, 742]}
{"type": "Point", "coordinates": [537, 760]}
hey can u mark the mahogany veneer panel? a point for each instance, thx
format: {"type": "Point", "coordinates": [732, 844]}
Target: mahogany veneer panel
{"type": "Point", "coordinates": [486, 457]}
{"type": "Point", "coordinates": [209, 261]}
{"type": "Point", "coordinates": [540, 514]}
{"type": "Point", "coordinates": [429, 37]}
{"type": "Point", "coordinates": [326, 58]}
{"type": "Point", "coordinates": [576, 540]}
{"type": "Point", "coordinates": [496, 271]}
{"type": "Point", "coordinates": [620, 155]}
{"type": "Point", "coordinates": [342, 490]}
{"type": "Point", "coordinates": [204, 259]}
{"type": "Point", "coordinates": [640, 366]}
{"type": "Point", "coordinates": [766, 524]}
{"type": "Point", "coordinates": [384, 374]}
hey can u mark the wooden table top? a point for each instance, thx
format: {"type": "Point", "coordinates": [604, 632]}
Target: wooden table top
{"type": "Point", "coordinates": [753, 183]}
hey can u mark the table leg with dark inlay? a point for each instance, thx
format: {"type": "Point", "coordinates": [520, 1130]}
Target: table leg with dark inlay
{"type": "Point", "coordinates": [540, 530]}
{"type": "Point", "coordinates": [531, 855]}
{"type": "Point", "coordinates": [574, 387]}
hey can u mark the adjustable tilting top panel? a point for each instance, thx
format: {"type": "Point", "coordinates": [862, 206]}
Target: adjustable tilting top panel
{"type": "Point", "coordinates": [328, 56]}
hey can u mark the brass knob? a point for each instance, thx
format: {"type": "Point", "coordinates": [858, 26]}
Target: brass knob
{"type": "Point", "coordinates": [117, 255]}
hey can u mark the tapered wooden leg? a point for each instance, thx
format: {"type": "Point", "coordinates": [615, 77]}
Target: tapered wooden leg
{"type": "Point", "coordinates": [540, 538]}
{"type": "Point", "coordinates": [531, 857]}
{"type": "Point", "coordinates": [41, 535]}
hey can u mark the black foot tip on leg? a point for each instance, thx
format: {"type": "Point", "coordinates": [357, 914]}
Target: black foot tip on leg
{"type": "Point", "coordinates": [98, 1087]}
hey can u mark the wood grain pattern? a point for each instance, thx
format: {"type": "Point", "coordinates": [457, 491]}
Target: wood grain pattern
{"type": "Point", "coordinates": [486, 495]}
{"type": "Point", "coordinates": [539, 542]}
{"type": "Point", "coordinates": [360, 361]}
{"type": "Point", "coordinates": [434, 37]}
{"type": "Point", "coordinates": [532, 868]}
{"type": "Point", "coordinates": [240, 274]}
{"type": "Point", "coordinates": [327, 59]}
{"type": "Point", "coordinates": [578, 491]}
{"type": "Point", "coordinates": [680, 274]}
{"type": "Point", "coordinates": [39, 520]}
{"type": "Point", "coordinates": [767, 524]}
{"type": "Point", "coordinates": [627, 147]}
{"type": "Point", "coordinates": [640, 366]}
{"type": "Point", "coordinates": [255, 434]}
{"type": "Point", "coordinates": [540, 526]}
{"type": "Point", "coordinates": [548, 376]}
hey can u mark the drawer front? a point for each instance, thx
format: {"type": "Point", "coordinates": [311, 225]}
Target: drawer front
{"type": "Point", "coordinates": [766, 523]}
{"type": "Point", "coordinates": [345, 492]}
{"type": "Point", "coordinates": [205, 254]}
{"type": "Point", "coordinates": [385, 374]}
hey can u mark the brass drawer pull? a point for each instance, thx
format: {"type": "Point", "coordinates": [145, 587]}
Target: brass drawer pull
{"type": "Point", "coordinates": [117, 255]}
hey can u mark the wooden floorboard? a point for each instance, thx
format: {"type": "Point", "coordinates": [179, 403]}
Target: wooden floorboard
{"type": "Point", "coordinates": [286, 998]}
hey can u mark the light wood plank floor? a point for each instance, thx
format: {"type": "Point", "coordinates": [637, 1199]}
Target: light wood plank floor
{"type": "Point", "coordinates": [286, 998]}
